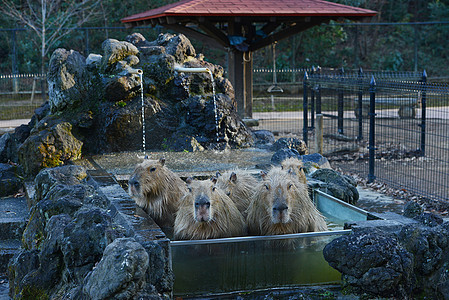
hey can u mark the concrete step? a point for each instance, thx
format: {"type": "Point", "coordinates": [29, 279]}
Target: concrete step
{"type": "Point", "coordinates": [7, 250]}
{"type": "Point", "coordinates": [13, 215]}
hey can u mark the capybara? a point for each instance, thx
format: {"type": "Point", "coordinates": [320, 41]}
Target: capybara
{"type": "Point", "coordinates": [296, 168]}
{"type": "Point", "coordinates": [239, 185]}
{"type": "Point", "coordinates": [281, 205]}
{"type": "Point", "coordinates": [157, 190]}
{"type": "Point", "coordinates": [206, 212]}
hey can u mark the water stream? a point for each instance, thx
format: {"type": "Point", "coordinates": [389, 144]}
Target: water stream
{"type": "Point", "coordinates": [144, 146]}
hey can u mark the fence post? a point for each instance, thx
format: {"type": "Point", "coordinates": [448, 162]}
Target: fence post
{"type": "Point", "coordinates": [319, 134]}
{"type": "Point", "coordinates": [318, 93]}
{"type": "Point", "coordinates": [372, 116]}
{"type": "Point", "coordinates": [15, 80]}
{"type": "Point", "coordinates": [340, 109]}
{"type": "Point", "coordinates": [86, 36]}
{"type": "Point", "coordinates": [360, 104]}
{"type": "Point", "coordinates": [304, 107]}
{"type": "Point", "coordinates": [423, 114]}
{"type": "Point", "coordinates": [312, 103]}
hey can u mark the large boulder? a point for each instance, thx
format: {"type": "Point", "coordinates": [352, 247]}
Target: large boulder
{"type": "Point", "coordinates": [68, 80]}
{"type": "Point", "coordinates": [373, 261]}
{"type": "Point", "coordinates": [120, 274]}
{"type": "Point", "coordinates": [115, 51]}
{"type": "Point", "coordinates": [49, 146]}
{"type": "Point", "coordinates": [403, 262]}
{"type": "Point", "coordinates": [341, 186]}
{"type": "Point", "coordinates": [291, 143]}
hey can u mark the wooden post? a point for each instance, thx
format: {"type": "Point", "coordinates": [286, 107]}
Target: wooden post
{"type": "Point", "coordinates": [319, 134]}
{"type": "Point", "coordinates": [236, 77]}
{"type": "Point", "coordinates": [240, 68]}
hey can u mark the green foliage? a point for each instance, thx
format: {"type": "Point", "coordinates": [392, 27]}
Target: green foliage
{"type": "Point", "coordinates": [121, 103]}
{"type": "Point", "coordinates": [370, 47]}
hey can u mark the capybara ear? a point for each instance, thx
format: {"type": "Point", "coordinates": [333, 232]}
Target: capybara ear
{"type": "Point", "coordinates": [162, 161]}
{"type": "Point", "coordinates": [189, 180]}
{"type": "Point", "coordinates": [233, 177]}
{"type": "Point", "coordinates": [214, 179]}
{"type": "Point", "coordinates": [218, 174]}
{"type": "Point", "coordinates": [263, 174]}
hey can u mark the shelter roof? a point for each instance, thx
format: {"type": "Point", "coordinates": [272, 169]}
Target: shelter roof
{"type": "Point", "coordinates": [251, 8]}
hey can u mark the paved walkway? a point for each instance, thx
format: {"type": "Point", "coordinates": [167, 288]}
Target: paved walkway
{"type": "Point", "coordinates": [10, 125]}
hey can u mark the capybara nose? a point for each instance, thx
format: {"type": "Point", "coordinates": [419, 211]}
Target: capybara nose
{"type": "Point", "coordinates": [202, 201]}
{"type": "Point", "coordinates": [280, 207]}
{"type": "Point", "coordinates": [134, 183]}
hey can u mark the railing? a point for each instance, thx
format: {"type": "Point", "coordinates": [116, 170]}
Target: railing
{"type": "Point", "coordinates": [401, 139]}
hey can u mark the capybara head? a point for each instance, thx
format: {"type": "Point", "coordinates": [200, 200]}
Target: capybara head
{"type": "Point", "coordinates": [147, 179]}
{"type": "Point", "coordinates": [201, 194]}
{"type": "Point", "coordinates": [278, 191]}
{"type": "Point", "coordinates": [296, 168]}
{"type": "Point", "coordinates": [157, 190]}
{"type": "Point", "coordinates": [281, 205]}
{"type": "Point", "coordinates": [206, 212]}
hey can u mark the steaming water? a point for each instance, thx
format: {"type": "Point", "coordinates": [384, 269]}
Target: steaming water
{"type": "Point", "coordinates": [187, 163]}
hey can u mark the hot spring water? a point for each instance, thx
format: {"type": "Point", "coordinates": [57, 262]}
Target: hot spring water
{"type": "Point", "coordinates": [242, 263]}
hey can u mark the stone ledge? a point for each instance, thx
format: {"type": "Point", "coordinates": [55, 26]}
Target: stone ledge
{"type": "Point", "coordinates": [139, 225]}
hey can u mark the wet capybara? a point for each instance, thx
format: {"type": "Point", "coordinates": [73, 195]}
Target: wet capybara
{"type": "Point", "coordinates": [206, 212]}
{"type": "Point", "coordinates": [239, 185]}
{"type": "Point", "coordinates": [281, 205]}
{"type": "Point", "coordinates": [157, 190]}
{"type": "Point", "coordinates": [296, 168]}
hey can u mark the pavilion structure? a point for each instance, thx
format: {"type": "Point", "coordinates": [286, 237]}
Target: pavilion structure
{"type": "Point", "coordinates": [244, 26]}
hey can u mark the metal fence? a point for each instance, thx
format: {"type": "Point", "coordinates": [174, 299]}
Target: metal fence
{"type": "Point", "coordinates": [20, 95]}
{"type": "Point", "coordinates": [386, 126]}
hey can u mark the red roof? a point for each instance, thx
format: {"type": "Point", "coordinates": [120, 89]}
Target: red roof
{"type": "Point", "coordinates": [261, 8]}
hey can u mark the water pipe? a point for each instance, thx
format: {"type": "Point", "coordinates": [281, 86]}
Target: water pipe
{"type": "Point", "coordinates": [192, 70]}
{"type": "Point", "coordinates": [135, 71]}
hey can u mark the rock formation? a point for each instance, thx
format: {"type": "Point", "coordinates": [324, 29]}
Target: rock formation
{"type": "Point", "coordinates": [95, 104]}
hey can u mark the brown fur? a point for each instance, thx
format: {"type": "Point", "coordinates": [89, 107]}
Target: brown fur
{"type": "Point", "coordinates": [157, 190]}
{"type": "Point", "coordinates": [239, 185]}
{"type": "Point", "coordinates": [296, 167]}
{"type": "Point", "coordinates": [221, 219]}
{"type": "Point", "coordinates": [278, 186]}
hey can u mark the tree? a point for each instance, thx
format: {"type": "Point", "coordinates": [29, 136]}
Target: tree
{"type": "Point", "coordinates": [49, 19]}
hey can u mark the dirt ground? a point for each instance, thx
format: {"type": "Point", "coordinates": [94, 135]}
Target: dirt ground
{"type": "Point", "coordinates": [401, 171]}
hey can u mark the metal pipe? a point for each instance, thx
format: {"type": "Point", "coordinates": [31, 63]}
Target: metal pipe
{"type": "Point", "coordinates": [192, 70]}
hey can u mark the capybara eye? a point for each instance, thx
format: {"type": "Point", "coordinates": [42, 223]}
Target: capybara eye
{"type": "Point", "coordinates": [152, 169]}
{"type": "Point", "coordinates": [136, 184]}
{"type": "Point", "coordinates": [267, 187]}
{"type": "Point", "coordinates": [190, 189]}
{"type": "Point", "coordinates": [228, 193]}
{"type": "Point", "coordinates": [290, 186]}
{"type": "Point", "coordinates": [213, 189]}
{"type": "Point", "coordinates": [207, 204]}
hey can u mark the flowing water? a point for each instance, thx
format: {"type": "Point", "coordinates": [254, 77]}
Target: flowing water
{"type": "Point", "coordinates": [144, 146]}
